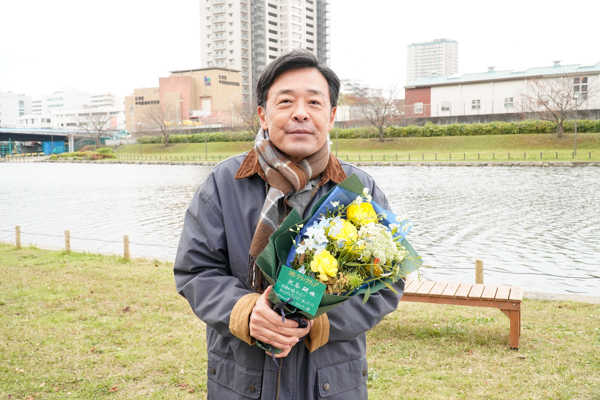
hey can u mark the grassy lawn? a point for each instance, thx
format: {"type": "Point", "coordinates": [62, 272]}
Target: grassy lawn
{"type": "Point", "coordinates": [89, 326]}
{"type": "Point", "coordinates": [534, 147]}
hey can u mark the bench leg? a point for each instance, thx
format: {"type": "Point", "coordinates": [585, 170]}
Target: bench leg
{"type": "Point", "coordinates": [515, 327]}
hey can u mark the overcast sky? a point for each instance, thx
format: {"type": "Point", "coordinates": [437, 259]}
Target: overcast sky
{"type": "Point", "coordinates": [118, 45]}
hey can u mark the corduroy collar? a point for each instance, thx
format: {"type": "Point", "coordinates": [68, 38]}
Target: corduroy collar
{"type": "Point", "coordinates": [250, 166]}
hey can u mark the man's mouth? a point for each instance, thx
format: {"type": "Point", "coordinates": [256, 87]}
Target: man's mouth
{"type": "Point", "coordinates": [300, 132]}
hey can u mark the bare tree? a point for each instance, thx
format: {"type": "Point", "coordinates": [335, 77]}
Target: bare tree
{"type": "Point", "coordinates": [161, 118]}
{"type": "Point", "coordinates": [97, 124]}
{"type": "Point", "coordinates": [248, 116]}
{"type": "Point", "coordinates": [555, 99]}
{"type": "Point", "coordinates": [377, 106]}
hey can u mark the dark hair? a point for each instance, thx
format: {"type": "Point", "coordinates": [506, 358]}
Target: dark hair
{"type": "Point", "coordinates": [296, 59]}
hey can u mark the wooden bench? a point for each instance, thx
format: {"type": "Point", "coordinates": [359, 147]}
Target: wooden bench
{"type": "Point", "coordinates": [506, 298]}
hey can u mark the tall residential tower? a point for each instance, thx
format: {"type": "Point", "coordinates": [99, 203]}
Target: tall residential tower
{"type": "Point", "coordinates": [246, 35]}
{"type": "Point", "coordinates": [439, 57]}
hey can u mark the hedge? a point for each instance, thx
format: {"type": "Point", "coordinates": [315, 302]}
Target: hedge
{"type": "Point", "coordinates": [428, 130]}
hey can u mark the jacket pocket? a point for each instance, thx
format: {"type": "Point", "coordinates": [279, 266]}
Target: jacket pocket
{"type": "Point", "coordinates": [341, 377]}
{"type": "Point", "coordinates": [227, 376]}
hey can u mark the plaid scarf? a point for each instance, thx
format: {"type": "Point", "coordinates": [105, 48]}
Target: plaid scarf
{"type": "Point", "coordinates": [284, 178]}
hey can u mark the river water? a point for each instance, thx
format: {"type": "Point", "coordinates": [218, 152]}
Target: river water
{"type": "Point", "coordinates": [532, 226]}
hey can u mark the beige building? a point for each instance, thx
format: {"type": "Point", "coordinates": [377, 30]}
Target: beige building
{"type": "Point", "coordinates": [197, 97]}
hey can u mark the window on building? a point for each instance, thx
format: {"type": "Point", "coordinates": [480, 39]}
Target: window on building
{"type": "Point", "coordinates": [580, 86]}
{"type": "Point", "coordinates": [509, 102]}
{"type": "Point", "coordinates": [273, 6]}
{"type": "Point", "coordinates": [475, 104]}
{"type": "Point", "coordinates": [445, 106]}
{"type": "Point", "coordinates": [418, 108]}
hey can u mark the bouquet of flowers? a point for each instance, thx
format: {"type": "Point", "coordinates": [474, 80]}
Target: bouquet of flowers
{"type": "Point", "coordinates": [349, 245]}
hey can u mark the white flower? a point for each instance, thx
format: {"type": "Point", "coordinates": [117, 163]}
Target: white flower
{"type": "Point", "coordinates": [335, 203]}
{"type": "Point", "coordinates": [383, 215]}
{"type": "Point", "coordinates": [368, 198]}
{"type": "Point", "coordinates": [358, 200]}
{"type": "Point", "coordinates": [365, 192]}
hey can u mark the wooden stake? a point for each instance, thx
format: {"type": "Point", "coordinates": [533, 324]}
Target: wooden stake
{"type": "Point", "coordinates": [126, 254]}
{"type": "Point", "coordinates": [67, 242]}
{"type": "Point", "coordinates": [479, 271]}
{"type": "Point", "coordinates": [18, 236]}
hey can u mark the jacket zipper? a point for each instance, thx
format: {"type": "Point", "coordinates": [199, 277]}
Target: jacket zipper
{"type": "Point", "coordinates": [278, 378]}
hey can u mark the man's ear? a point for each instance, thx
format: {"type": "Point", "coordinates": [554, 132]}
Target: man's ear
{"type": "Point", "coordinates": [262, 116]}
{"type": "Point", "coordinates": [332, 119]}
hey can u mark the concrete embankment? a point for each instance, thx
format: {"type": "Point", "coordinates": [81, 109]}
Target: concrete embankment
{"type": "Point", "coordinates": [541, 164]}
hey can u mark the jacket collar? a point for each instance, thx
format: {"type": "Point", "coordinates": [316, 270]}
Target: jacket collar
{"type": "Point", "coordinates": [250, 166]}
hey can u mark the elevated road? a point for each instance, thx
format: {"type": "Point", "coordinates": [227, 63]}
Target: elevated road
{"type": "Point", "coordinates": [38, 134]}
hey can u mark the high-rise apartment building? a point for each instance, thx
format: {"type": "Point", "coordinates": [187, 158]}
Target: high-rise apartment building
{"type": "Point", "coordinates": [439, 57]}
{"type": "Point", "coordinates": [246, 35]}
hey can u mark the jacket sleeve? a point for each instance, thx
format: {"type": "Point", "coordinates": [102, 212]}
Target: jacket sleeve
{"type": "Point", "coordinates": [203, 273]}
{"type": "Point", "coordinates": [351, 319]}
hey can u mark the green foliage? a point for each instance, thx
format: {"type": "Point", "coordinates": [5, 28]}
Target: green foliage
{"type": "Point", "coordinates": [492, 128]}
{"type": "Point", "coordinates": [105, 151]}
{"type": "Point", "coordinates": [86, 155]}
{"type": "Point", "coordinates": [200, 137]}
{"type": "Point", "coordinates": [428, 130]}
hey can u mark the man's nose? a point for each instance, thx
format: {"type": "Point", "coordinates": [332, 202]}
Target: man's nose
{"type": "Point", "coordinates": [300, 113]}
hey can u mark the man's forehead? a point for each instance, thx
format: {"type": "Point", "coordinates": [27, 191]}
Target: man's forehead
{"type": "Point", "coordinates": [297, 91]}
{"type": "Point", "coordinates": [306, 81]}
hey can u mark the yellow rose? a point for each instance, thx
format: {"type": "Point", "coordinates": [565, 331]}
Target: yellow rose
{"type": "Point", "coordinates": [348, 232]}
{"type": "Point", "coordinates": [325, 264]}
{"type": "Point", "coordinates": [361, 214]}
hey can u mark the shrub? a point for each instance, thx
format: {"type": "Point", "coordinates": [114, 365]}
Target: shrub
{"type": "Point", "coordinates": [105, 151]}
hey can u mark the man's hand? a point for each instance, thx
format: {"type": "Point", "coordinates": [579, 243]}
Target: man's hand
{"type": "Point", "coordinates": [266, 326]}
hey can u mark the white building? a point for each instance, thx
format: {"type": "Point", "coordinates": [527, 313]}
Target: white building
{"type": "Point", "coordinates": [67, 98]}
{"type": "Point", "coordinates": [495, 92]}
{"type": "Point", "coordinates": [13, 106]}
{"type": "Point", "coordinates": [246, 35]}
{"type": "Point", "coordinates": [439, 57]}
{"type": "Point", "coordinates": [107, 99]}
{"type": "Point", "coordinates": [70, 119]}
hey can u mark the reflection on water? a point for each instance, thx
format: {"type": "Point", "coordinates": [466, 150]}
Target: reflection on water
{"type": "Point", "coordinates": [535, 227]}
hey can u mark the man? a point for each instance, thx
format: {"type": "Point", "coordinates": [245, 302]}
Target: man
{"type": "Point", "coordinates": [227, 225]}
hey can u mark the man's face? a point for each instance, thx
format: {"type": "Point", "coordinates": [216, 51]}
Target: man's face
{"type": "Point", "coordinates": [298, 113]}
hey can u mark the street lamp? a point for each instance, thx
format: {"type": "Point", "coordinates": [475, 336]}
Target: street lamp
{"type": "Point", "coordinates": [178, 112]}
{"type": "Point", "coordinates": [140, 133]}
{"type": "Point", "coordinates": [232, 96]}
{"type": "Point", "coordinates": [576, 97]}
{"type": "Point", "coordinates": [205, 140]}
{"type": "Point", "coordinates": [132, 121]}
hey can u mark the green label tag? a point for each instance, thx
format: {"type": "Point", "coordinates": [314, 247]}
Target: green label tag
{"type": "Point", "coordinates": [305, 292]}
